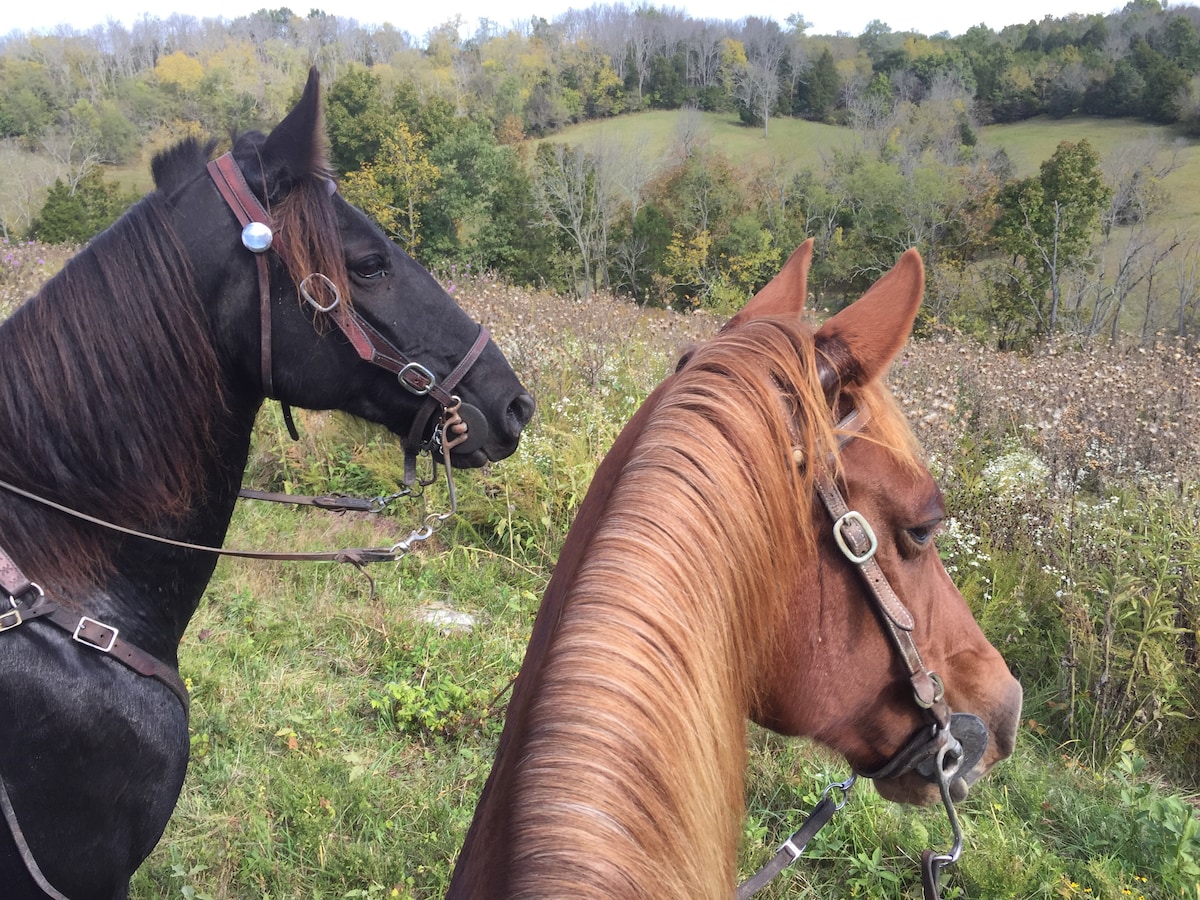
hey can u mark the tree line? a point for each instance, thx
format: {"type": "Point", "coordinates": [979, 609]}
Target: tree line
{"type": "Point", "coordinates": [437, 139]}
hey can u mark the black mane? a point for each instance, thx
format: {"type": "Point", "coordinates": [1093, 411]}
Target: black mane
{"type": "Point", "coordinates": [108, 389]}
{"type": "Point", "coordinates": [176, 166]}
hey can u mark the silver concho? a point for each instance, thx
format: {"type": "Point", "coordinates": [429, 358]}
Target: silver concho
{"type": "Point", "coordinates": [257, 237]}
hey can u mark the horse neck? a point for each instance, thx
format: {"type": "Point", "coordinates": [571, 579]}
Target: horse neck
{"type": "Point", "coordinates": [134, 426]}
{"type": "Point", "coordinates": [601, 789]}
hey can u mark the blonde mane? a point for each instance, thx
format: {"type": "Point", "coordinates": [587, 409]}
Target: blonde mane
{"type": "Point", "coordinates": [634, 748]}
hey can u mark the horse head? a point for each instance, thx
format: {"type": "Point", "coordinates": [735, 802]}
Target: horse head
{"type": "Point", "coordinates": [840, 676]}
{"type": "Point", "coordinates": [317, 265]}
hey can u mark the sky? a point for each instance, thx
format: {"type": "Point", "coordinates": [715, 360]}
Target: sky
{"type": "Point", "coordinates": [826, 16]}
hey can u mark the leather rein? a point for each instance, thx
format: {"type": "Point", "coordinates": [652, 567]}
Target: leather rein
{"type": "Point", "coordinates": [934, 751]}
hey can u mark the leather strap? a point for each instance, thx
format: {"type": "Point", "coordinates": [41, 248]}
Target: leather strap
{"type": "Point", "coordinates": [12, 579]}
{"type": "Point", "coordinates": [790, 850]}
{"type": "Point", "coordinates": [227, 176]}
{"type": "Point", "coordinates": [104, 639]}
{"type": "Point", "coordinates": [857, 541]}
{"type": "Point", "coordinates": [334, 503]}
{"type": "Point", "coordinates": [83, 628]}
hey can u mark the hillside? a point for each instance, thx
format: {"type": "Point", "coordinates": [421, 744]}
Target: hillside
{"type": "Point", "coordinates": [800, 144]}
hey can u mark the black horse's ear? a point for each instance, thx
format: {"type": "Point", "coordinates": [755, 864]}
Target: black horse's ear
{"type": "Point", "coordinates": [297, 147]}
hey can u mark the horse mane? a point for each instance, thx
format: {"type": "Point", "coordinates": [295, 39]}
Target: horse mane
{"type": "Point", "coordinates": [108, 388]}
{"type": "Point", "coordinates": [633, 747]}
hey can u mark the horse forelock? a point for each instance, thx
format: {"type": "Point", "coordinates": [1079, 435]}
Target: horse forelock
{"type": "Point", "coordinates": [108, 391]}
{"type": "Point", "coordinates": [634, 742]}
{"type": "Point", "coordinates": [298, 195]}
{"type": "Point", "coordinates": [307, 220]}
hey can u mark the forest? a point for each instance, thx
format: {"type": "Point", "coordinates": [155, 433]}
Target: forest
{"type": "Point", "coordinates": [455, 144]}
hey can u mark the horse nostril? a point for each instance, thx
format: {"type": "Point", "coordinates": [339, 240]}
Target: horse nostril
{"type": "Point", "coordinates": [521, 410]}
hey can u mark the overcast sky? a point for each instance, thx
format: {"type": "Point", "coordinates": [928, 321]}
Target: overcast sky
{"type": "Point", "coordinates": [827, 17]}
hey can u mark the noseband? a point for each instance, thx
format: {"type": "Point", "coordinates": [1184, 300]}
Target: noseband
{"type": "Point", "coordinates": [371, 346]}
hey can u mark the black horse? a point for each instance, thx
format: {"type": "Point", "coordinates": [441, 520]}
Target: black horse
{"type": "Point", "coordinates": [128, 389]}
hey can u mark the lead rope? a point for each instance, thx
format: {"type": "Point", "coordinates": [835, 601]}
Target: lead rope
{"type": "Point", "coordinates": [791, 849]}
{"type": "Point", "coordinates": [358, 556]}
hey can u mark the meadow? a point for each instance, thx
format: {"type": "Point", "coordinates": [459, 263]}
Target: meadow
{"type": "Point", "coordinates": [798, 144]}
{"type": "Point", "coordinates": [340, 735]}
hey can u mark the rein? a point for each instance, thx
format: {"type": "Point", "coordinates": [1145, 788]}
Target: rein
{"type": "Point", "coordinates": [934, 751]}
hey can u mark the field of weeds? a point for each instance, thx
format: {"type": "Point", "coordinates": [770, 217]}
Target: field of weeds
{"type": "Point", "coordinates": [340, 738]}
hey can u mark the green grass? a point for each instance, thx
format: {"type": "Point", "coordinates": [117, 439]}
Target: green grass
{"type": "Point", "coordinates": [339, 744]}
{"type": "Point", "coordinates": [799, 144]}
{"type": "Point", "coordinates": [796, 143]}
{"type": "Point", "coordinates": [1029, 143]}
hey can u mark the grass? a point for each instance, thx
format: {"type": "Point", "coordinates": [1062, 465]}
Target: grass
{"type": "Point", "coordinates": [339, 742]}
{"type": "Point", "coordinates": [1030, 142]}
{"type": "Point", "coordinates": [800, 144]}
{"type": "Point", "coordinates": [796, 143]}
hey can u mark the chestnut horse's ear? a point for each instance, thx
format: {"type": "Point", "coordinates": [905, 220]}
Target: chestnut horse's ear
{"type": "Point", "coordinates": [296, 147]}
{"type": "Point", "coordinates": [861, 341]}
{"type": "Point", "coordinates": [784, 294]}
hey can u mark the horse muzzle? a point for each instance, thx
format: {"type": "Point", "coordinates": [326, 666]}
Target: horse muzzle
{"type": "Point", "coordinates": [935, 753]}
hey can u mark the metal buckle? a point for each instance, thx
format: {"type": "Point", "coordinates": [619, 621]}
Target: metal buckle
{"type": "Point", "coordinates": [856, 517]}
{"type": "Point", "coordinates": [421, 372]}
{"type": "Point", "coordinates": [76, 635]}
{"type": "Point", "coordinates": [312, 301]}
{"type": "Point", "coordinates": [10, 619]}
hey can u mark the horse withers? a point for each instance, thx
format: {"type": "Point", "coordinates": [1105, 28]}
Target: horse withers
{"type": "Point", "coordinates": [758, 543]}
{"type": "Point", "coordinates": [129, 386]}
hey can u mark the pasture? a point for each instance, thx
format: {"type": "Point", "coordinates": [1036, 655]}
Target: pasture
{"type": "Point", "coordinates": [339, 738]}
{"type": "Point", "coordinates": [797, 144]}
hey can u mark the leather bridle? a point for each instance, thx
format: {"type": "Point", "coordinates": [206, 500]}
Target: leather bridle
{"type": "Point", "coordinates": [946, 744]}
{"type": "Point", "coordinates": [321, 293]}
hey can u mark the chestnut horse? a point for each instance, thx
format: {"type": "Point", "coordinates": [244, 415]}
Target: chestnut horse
{"type": "Point", "coordinates": [702, 584]}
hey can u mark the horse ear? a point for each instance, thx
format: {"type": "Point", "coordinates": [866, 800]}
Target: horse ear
{"type": "Point", "coordinates": [861, 341]}
{"type": "Point", "coordinates": [784, 294]}
{"type": "Point", "coordinates": [296, 147]}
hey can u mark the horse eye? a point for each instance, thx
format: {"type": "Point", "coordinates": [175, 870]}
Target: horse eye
{"type": "Point", "coordinates": [922, 534]}
{"type": "Point", "coordinates": [371, 267]}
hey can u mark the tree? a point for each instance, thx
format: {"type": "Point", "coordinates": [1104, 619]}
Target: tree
{"type": "Point", "coordinates": [757, 82]}
{"type": "Point", "coordinates": [571, 198]}
{"type": "Point", "coordinates": [1047, 223]}
{"type": "Point", "coordinates": [482, 211]}
{"type": "Point", "coordinates": [393, 187]}
{"type": "Point", "coordinates": [819, 88]}
{"type": "Point", "coordinates": [75, 215]}
{"type": "Point", "coordinates": [356, 118]}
